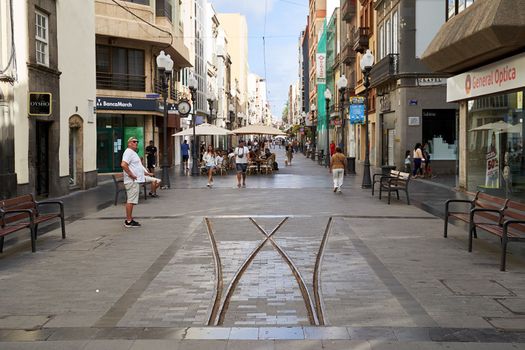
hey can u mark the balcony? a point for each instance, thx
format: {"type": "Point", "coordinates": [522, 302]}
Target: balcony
{"type": "Point", "coordinates": [361, 38]}
{"type": "Point", "coordinates": [118, 81]}
{"type": "Point", "coordinates": [348, 10]}
{"type": "Point", "coordinates": [384, 70]}
{"type": "Point", "coordinates": [348, 53]}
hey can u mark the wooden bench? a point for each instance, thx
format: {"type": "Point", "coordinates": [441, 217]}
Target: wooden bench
{"type": "Point", "coordinates": [395, 182]}
{"type": "Point", "coordinates": [508, 223]}
{"type": "Point", "coordinates": [481, 200]}
{"type": "Point", "coordinates": [376, 178]}
{"type": "Point", "coordinates": [24, 212]}
{"type": "Point", "coordinates": [118, 181]}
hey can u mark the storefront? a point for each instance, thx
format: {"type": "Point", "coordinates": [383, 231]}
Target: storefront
{"type": "Point", "coordinates": [120, 118]}
{"type": "Point", "coordinates": [491, 123]}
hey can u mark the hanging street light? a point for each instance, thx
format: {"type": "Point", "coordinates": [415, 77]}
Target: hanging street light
{"type": "Point", "coordinates": [328, 98]}
{"type": "Point", "coordinates": [165, 68]}
{"type": "Point", "coordinates": [192, 85]}
{"type": "Point", "coordinates": [366, 63]}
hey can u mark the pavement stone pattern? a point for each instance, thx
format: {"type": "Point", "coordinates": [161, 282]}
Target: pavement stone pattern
{"type": "Point", "coordinates": [389, 279]}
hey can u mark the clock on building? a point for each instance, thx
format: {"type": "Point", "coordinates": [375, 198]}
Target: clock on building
{"type": "Point", "coordinates": [184, 107]}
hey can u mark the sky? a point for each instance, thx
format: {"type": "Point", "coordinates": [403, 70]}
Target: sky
{"type": "Point", "coordinates": [285, 19]}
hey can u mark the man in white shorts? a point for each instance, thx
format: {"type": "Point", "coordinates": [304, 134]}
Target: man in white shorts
{"type": "Point", "coordinates": [155, 183]}
{"type": "Point", "coordinates": [133, 172]}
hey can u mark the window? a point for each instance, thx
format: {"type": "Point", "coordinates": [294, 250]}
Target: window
{"type": "Point", "coordinates": [456, 6]}
{"type": "Point", "coordinates": [120, 68]}
{"type": "Point", "coordinates": [395, 32]}
{"type": "Point", "coordinates": [143, 2]}
{"type": "Point", "coordinates": [380, 49]}
{"type": "Point", "coordinates": [42, 38]}
{"type": "Point", "coordinates": [388, 37]}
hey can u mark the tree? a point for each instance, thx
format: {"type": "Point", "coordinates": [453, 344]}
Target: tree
{"type": "Point", "coordinates": [285, 114]}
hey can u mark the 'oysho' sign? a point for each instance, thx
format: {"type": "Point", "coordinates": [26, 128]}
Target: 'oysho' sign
{"type": "Point", "coordinates": [501, 76]}
{"type": "Point", "coordinates": [40, 104]}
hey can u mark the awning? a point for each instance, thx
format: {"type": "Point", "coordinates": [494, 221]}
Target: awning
{"type": "Point", "coordinates": [204, 129]}
{"type": "Point", "coordinates": [258, 129]}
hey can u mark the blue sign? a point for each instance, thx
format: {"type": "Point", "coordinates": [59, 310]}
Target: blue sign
{"type": "Point", "coordinates": [357, 114]}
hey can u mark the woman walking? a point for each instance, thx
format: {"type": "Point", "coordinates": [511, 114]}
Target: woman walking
{"type": "Point", "coordinates": [337, 168]}
{"type": "Point", "coordinates": [418, 159]}
{"type": "Point", "coordinates": [210, 161]}
{"type": "Point", "coordinates": [289, 154]}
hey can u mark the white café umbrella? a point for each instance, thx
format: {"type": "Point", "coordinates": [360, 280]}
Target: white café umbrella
{"type": "Point", "coordinates": [203, 130]}
{"type": "Point", "coordinates": [499, 126]}
{"type": "Point", "coordinates": [258, 129]}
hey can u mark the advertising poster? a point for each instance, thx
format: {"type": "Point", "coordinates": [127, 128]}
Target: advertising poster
{"type": "Point", "coordinates": [357, 114]}
{"type": "Point", "coordinates": [492, 163]}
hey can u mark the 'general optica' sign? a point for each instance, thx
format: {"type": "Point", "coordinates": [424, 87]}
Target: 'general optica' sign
{"type": "Point", "coordinates": [507, 74]}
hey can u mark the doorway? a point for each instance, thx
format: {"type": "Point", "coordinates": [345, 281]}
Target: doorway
{"type": "Point", "coordinates": [42, 158]}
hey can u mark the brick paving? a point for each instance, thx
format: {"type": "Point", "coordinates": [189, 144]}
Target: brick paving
{"type": "Point", "coordinates": [389, 280]}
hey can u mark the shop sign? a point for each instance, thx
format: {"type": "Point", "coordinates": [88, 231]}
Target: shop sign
{"type": "Point", "coordinates": [127, 104]}
{"type": "Point", "coordinates": [335, 122]}
{"type": "Point", "coordinates": [321, 68]}
{"type": "Point", "coordinates": [496, 77]}
{"type": "Point", "coordinates": [431, 81]}
{"type": "Point", "coordinates": [40, 104]}
{"type": "Point", "coordinates": [412, 102]}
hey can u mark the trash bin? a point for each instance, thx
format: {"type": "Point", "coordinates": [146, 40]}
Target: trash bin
{"type": "Point", "coordinates": [385, 169]}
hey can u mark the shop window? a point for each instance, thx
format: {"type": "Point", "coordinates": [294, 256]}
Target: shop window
{"type": "Point", "coordinates": [439, 133]}
{"type": "Point", "coordinates": [456, 6]}
{"type": "Point", "coordinates": [495, 145]}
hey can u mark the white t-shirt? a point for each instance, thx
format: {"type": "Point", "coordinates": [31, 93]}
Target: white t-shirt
{"type": "Point", "coordinates": [241, 155]}
{"type": "Point", "coordinates": [219, 160]}
{"type": "Point", "coordinates": [135, 166]}
{"type": "Point", "coordinates": [209, 159]}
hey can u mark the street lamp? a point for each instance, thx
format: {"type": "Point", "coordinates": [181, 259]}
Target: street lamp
{"type": "Point", "coordinates": [327, 97]}
{"type": "Point", "coordinates": [303, 123]}
{"type": "Point", "coordinates": [313, 108]}
{"type": "Point", "coordinates": [366, 63]}
{"type": "Point", "coordinates": [342, 83]}
{"type": "Point", "coordinates": [211, 100]}
{"type": "Point", "coordinates": [192, 85]}
{"type": "Point", "coordinates": [165, 68]}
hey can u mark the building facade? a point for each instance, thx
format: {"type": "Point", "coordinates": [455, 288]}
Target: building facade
{"type": "Point", "coordinates": [47, 103]}
{"type": "Point", "coordinates": [487, 80]}
{"type": "Point", "coordinates": [127, 81]}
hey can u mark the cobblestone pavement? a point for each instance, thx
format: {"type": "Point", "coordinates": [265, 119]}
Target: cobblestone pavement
{"type": "Point", "coordinates": [387, 277]}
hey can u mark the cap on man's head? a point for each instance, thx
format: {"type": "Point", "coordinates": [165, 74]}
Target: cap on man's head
{"type": "Point", "coordinates": [132, 138]}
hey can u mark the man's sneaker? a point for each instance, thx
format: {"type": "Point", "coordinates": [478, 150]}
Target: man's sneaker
{"type": "Point", "coordinates": [208, 184]}
{"type": "Point", "coordinates": [131, 223]}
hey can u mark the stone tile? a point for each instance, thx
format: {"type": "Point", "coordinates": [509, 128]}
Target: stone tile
{"type": "Point", "coordinates": [28, 336]}
{"type": "Point", "coordinates": [156, 344]}
{"type": "Point", "coordinates": [23, 321]}
{"type": "Point", "coordinates": [208, 333]}
{"type": "Point", "coordinates": [72, 333]}
{"type": "Point", "coordinates": [251, 345]}
{"type": "Point", "coordinates": [326, 333]}
{"type": "Point", "coordinates": [278, 333]}
{"type": "Point", "coordinates": [244, 333]}
{"type": "Point", "coordinates": [298, 344]}
{"type": "Point", "coordinates": [163, 333]}
{"type": "Point", "coordinates": [109, 344]}
{"type": "Point", "coordinates": [508, 323]}
{"type": "Point", "coordinates": [203, 345]}
{"type": "Point", "coordinates": [345, 345]}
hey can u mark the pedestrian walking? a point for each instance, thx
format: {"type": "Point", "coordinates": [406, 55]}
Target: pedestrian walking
{"type": "Point", "coordinates": [151, 157]}
{"type": "Point", "coordinates": [427, 170]}
{"type": "Point", "coordinates": [289, 154]}
{"type": "Point", "coordinates": [209, 159]}
{"type": "Point", "coordinates": [185, 152]}
{"type": "Point", "coordinates": [241, 163]}
{"type": "Point", "coordinates": [332, 148]}
{"type": "Point", "coordinates": [133, 172]}
{"type": "Point", "coordinates": [337, 168]}
{"type": "Point", "coordinates": [418, 160]}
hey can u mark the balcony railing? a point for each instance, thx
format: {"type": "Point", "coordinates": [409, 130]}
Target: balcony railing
{"type": "Point", "coordinates": [385, 70]}
{"type": "Point", "coordinates": [361, 38]}
{"type": "Point", "coordinates": [348, 53]}
{"type": "Point", "coordinates": [348, 10]}
{"type": "Point", "coordinates": [119, 81]}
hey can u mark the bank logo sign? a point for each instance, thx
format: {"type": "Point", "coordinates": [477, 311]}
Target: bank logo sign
{"type": "Point", "coordinates": [497, 77]}
{"type": "Point", "coordinates": [40, 104]}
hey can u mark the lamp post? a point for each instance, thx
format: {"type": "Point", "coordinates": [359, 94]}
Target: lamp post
{"type": "Point", "coordinates": [366, 63]}
{"type": "Point", "coordinates": [211, 100]}
{"type": "Point", "coordinates": [313, 108]}
{"type": "Point", "coordinates": [327, 97]}
{"type": "Point", "coordinates": [165, 67]}
{"type": "Point", "coordinates": [342, 83]}
{"type": "Point", "coordinates": [192, 85]}
{"type": "Point", "coordinates": [303, 135]}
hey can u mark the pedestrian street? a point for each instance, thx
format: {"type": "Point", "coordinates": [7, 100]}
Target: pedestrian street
{"type": "Point", "coordinates": [282, 263]}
